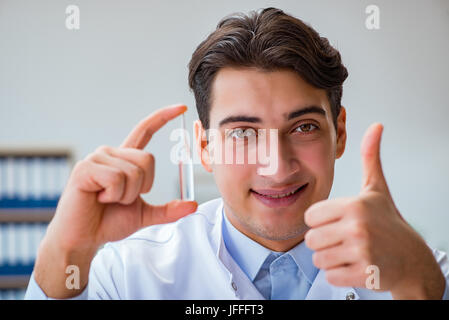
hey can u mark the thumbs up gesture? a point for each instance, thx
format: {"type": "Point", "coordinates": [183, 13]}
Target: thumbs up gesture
{"type": "Point", "coordinates": [354, 236]}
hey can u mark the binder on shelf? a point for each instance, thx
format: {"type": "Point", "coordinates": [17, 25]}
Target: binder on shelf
{"type": "Point", "coordinates": [19, 244]}
{"type": "Point", "coordinates": [12, 294]}
{"type": "Point", "coordinates": [32, 181]}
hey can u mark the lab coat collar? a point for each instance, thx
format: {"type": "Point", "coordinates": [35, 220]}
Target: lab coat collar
{"type": "Point", "coordinates": [238, 281]}
{"type": "Point", "coordinates": [255, 254]}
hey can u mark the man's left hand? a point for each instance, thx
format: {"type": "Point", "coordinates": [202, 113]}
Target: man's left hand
{"type": "Point", "coordinates": [350, 234]}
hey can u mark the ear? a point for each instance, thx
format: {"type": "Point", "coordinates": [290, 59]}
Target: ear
{"type": "Point", "coordinates": [201, 145]}
{"type": "Point", "coordinates": [341, 133]}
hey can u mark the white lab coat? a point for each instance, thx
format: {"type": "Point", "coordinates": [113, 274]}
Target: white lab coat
{"type": "Point", "coordinates": [187, 259]}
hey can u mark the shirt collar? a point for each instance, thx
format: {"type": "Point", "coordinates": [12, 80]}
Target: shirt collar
{"type": "Point", "coordinates": [250, 255]}
{"type": "Point", "coordinates": [303, 258]}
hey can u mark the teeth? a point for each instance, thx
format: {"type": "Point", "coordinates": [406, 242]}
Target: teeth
{"type": "Point", "coordinates": [276, 196]}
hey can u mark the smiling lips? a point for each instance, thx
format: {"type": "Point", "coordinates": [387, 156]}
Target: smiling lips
{"type": "Point", "coordinates": [279, 198]}
{"type": "Point", "coordinates": [278, 193]}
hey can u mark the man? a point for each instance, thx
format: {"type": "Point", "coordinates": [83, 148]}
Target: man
{"type": "Point", "coordinates": [273, 234]}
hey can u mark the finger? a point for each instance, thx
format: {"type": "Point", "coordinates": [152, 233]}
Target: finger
{"type": "Point", "coordinates": [140, 158]}
{"type": "Point", "coordinates": [325, 211]}
{"type": "Point", "coordinates": [169, 212]}
{"type": "Point", "coordinates": [134, 175]}
{"type": "Point", "coordinates": [142, 133]}
{"type": "Point", "coordinates": [373, 177]}
{"type": "Point", "coordinates": [108, 181]}
{"type": "Point", "coordinates": [333, 257]}
{"type": "Point", "coordinates": [350, 275]}
{"type": "Point", "coordinates": [326, 236]}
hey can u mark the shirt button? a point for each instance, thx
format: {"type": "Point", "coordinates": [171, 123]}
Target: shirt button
{"type": "Point", "coordinates": [234, 286]}
{"type": "Point", "coordinates": [350, 296]}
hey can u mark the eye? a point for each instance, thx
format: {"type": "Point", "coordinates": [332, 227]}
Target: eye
{"type": "Point", "coordinates": [241, 133]}
{"type": "Point", "coordinates": [306, 127]}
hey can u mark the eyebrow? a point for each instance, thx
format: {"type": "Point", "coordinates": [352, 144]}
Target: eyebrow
{"type": "Point", "coordinates": [309, 109]}
{"type": "Point", "coordinates": [290, 116]}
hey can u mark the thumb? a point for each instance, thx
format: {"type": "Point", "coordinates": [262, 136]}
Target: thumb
{"type": "Point", "coordinates": [372, 173]}
{"type": "Point", "coordinates": [166, 213]}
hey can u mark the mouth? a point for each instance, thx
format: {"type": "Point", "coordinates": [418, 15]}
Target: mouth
{"type": "Point", "coordinates": [279, 198]}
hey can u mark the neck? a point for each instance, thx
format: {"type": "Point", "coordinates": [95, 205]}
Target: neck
{"type": "Point", "coordinates": [282, 245]}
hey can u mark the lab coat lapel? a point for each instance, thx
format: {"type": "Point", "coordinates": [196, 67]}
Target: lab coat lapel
{"type": "Point", "coordinates": [242, 287]}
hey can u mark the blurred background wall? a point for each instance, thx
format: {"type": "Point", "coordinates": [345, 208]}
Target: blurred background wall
{"type": "Point", "coordinates": [89, 87]}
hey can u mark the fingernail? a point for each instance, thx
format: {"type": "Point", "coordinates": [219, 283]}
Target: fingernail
{"type": "Point", "coordinates": [192, 204]}
{"type": "Point", "coordinates": [179, 106]}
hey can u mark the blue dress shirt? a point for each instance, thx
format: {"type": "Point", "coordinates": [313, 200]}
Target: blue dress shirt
{"type": "Point", "coordinates": [277, 275]}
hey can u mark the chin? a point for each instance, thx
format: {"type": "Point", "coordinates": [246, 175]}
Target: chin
{"type": "Point", "coordinates": [282, 231]}
{"type": "Point", "coordinates": [291, 213]}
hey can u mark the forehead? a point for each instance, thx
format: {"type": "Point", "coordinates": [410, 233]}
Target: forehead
{"type": "Point", "coordinates": [267, 94]}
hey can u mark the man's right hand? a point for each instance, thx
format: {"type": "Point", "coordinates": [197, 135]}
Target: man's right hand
{"type": "Point", "coordinates": [101, 202]}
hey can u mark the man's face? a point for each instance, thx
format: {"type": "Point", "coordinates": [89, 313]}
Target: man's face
{"type": "Point", "coordinates": [307, 146]}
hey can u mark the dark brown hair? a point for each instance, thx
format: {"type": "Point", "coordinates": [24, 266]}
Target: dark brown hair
{"type": "Point", "coordinates": [268, 40]}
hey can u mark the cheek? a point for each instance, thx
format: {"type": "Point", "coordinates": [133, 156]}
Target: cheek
{"type": "Point", "coordinates": [233, 168]}
{"type": "Point", "coordinates": [233, 180]}
{"type": "Point", "coordinates": [319, 160]}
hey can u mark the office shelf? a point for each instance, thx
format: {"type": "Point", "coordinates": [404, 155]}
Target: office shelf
{"type": "Point", "coordinates": [14, 282]}
{"type": "Point", "coordinates": [35, 152]}
{"type": "Point", "coordinates": [26, 215]}
{"type": "Point", "coordinates": [19, 209]}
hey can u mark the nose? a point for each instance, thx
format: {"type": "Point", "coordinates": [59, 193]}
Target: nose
{"type": "Point", "coordinates": [282, 160]}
